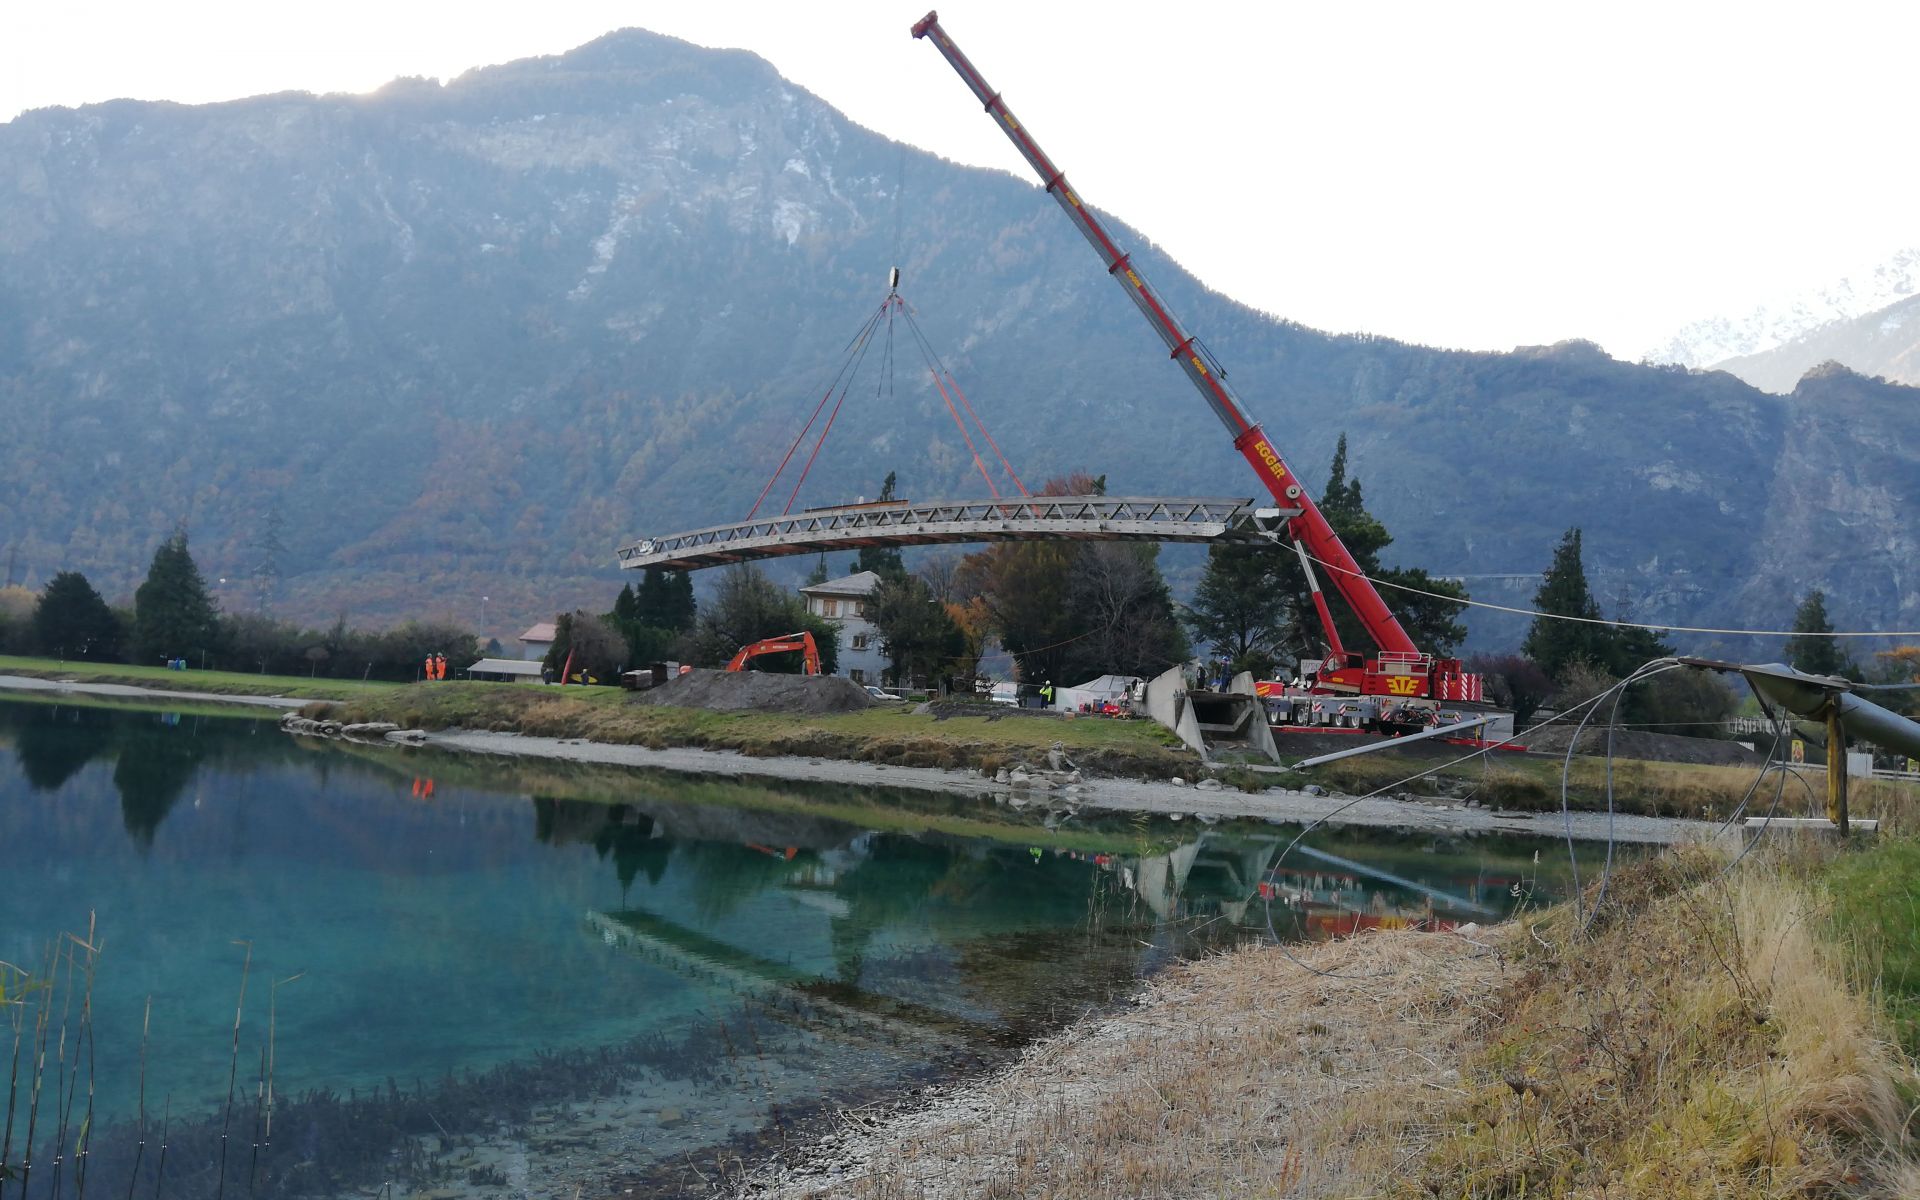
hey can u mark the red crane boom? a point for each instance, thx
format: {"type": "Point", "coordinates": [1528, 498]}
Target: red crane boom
{"type": "Point", "coordinates": [1400, 661]}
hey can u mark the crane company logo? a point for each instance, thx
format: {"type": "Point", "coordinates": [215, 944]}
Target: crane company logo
{"type": "Point", "coordinates": [1271, 459]}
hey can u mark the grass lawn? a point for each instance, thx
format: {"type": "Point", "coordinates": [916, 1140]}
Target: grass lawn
{"type": "Point", "coordinates": [889, 734]}
{"type": "Point", "coordinates": [1876, 894]}
{"type": "Point", "coordinates": [226, 683]}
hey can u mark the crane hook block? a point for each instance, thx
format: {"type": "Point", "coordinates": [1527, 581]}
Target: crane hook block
{"type": "Point", "coordinates": [894, 281]}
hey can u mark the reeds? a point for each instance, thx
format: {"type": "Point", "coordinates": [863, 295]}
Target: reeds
{"type": "Point", "coordinates": [29, 1002]}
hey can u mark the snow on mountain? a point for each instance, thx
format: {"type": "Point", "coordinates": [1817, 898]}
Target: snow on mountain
{"type": "Point", "coordinates": [1714, 340]}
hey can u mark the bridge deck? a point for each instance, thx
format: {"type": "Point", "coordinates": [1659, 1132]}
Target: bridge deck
{"type": "Point", "coordinates": [904, 523]}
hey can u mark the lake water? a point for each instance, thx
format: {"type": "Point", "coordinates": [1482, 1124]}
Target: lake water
{"type": "Point", "coordinates": [477, 976]}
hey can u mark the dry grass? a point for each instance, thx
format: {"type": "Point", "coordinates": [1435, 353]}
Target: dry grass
{"type": "Point", "coordinates": [1656, 789]}
{"type": "Point", "coordinates": [1699, 1040]}
{"type": "Point", "coordinates": [1703, 1042]}
{"type": "Point", "coordinates": [1242, 1075]}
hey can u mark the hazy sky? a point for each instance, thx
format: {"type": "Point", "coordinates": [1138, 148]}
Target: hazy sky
{"type": "Point", "coordinates": [1468, 174]}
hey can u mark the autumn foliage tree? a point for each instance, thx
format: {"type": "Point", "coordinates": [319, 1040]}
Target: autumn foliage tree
{"type": "Point", "coordinates": [1070, 610]}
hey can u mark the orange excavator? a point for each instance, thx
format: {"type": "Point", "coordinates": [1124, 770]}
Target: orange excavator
{"type": "Point", "coordinates": [786, 643]}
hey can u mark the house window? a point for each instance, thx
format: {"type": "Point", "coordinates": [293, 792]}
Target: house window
{"type": "Point", "coordinates": [859, 641]}
{"type": "Point", "coordinates": [829, 608]}
{"type": "Point", "coordinates": [857, 675]}
{"type": "Point", "coordinates": [859, 607]}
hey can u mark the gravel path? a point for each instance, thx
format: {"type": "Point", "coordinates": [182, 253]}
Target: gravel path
{"type": "Point", "coordinates": [27, 683]}
{"type": "Point", "coordinates": [1120, 795]}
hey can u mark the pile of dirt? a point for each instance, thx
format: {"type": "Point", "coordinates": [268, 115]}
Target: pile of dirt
{"type": "Point", "coordinates": [942, 709]}
{"type": "Point", "coordinates": [1644, 745]}
{"type": "Point", "coordinates": [759, 691]}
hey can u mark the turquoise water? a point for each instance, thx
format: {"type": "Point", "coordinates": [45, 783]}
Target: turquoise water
{"type": "Point", "coordinates": [483, 974]}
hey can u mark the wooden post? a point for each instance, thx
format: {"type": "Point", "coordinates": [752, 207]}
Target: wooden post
{"type": "Point", "coordinates": [1836, 768]}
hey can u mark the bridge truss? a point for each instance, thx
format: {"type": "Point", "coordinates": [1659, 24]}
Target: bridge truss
{"type": "Point", "coordinates": [904, 523]}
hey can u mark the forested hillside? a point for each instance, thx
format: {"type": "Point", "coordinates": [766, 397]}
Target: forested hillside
{"type": "Point", "coordinates": [446, 341]}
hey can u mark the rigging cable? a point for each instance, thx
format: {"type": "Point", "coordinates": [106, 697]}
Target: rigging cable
{"type": "Point", "coordinates": [936, 364]}
{"type": "Point", "coordinates": [846, 360]}
{"type": "Point", "coordinates": [860, 356]}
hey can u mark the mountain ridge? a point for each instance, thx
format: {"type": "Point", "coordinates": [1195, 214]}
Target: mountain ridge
{"type": "Point", "coordinates": [1884, 343]}
{"type": "Point", "coordinates": [470, 337]}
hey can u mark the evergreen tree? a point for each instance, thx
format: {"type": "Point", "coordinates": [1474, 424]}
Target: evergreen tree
{"type": "Point", "coordinates": [626, 607]}
{"type": "Point", "coordinates": [681, 608]}
{"type": "Point", "coordinates": [1432, 621]}
{"type": "Point", "coordinates": [1807, 651]}
{"type": "Point", "coordinates": [1558, 645]}
{"type": "Point", "coordinates": [173, 614]}
{"type": "Point", "coordinates": [1241, 606]}
{"type": "Point", "coordinates": [664, 600]}
{"type": "Point", "coordinates": [819, 574]}
{"type": "Point", "coordinates": [1433, 624]}
{"type": "Point", "coordinates": [72, 621]}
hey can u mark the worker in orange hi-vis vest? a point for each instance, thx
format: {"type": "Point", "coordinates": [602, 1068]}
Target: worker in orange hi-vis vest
{"type": "Point", "coordinates": [439, 666]}
{"type": "Point", "coordinates": [428, 671]}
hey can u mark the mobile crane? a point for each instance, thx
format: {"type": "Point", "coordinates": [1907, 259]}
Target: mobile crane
{"type": "Point", "coordinates": [1410, 684]}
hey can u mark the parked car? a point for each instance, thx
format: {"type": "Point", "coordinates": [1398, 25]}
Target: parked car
{"type": "Point", "coordinates": [878, 694]}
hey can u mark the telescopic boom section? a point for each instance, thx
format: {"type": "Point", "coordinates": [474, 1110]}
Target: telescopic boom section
{"type": "Point", "coordinates": [1310, 528]}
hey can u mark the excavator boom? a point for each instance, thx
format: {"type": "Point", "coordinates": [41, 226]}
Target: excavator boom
{"type": "Point", "coordinates": [784, 644]}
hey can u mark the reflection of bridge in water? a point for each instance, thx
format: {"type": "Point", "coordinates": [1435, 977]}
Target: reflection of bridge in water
{"type": "Point", "coordinates": [1226, 873]}
{"type": "Point", "coordinates": [1234, 878]}
{"type": "Point", "coordinates": [903, 523]}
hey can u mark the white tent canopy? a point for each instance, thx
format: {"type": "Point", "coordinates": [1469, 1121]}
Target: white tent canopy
{"type": "Point", "coordinates": [1094, 691]}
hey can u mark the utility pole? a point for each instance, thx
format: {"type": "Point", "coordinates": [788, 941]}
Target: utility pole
{"type": "Point", "coordinates": [1836, 767]}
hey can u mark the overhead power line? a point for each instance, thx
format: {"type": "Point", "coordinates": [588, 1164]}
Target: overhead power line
{"type": "Point", "coordinates": [1534, 612]}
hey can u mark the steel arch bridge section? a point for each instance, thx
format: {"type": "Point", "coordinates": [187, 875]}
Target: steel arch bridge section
{"type": "Point", "coordinates": [905, 523]}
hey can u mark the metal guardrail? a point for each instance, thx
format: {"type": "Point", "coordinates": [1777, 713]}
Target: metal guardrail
{"type": "Point", "coordinates": [904, 523]}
